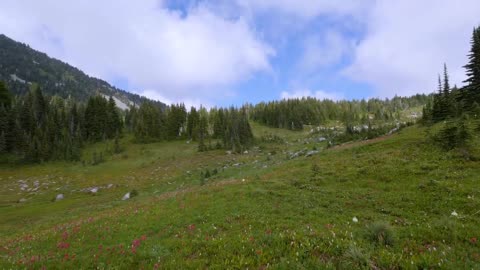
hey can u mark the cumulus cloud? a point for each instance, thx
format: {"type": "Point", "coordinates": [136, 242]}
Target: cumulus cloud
{"type": "Point", "coordinates": [408, 41]}
{"type": "Point", "coordinates": [176, 56]}
{"type": "Point", "coordinates": [320, 51]}
{"type": "Point", "coordinates": [307, 8]}
{"type": "Point", "coordinates": [196, 54]}
{"type": "Point", "coordinates": [303, 93]}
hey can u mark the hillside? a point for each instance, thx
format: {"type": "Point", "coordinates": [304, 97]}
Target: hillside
{"type": "Point", "coordinates": [391, 203]}
{"type": "Point", "coordinates": [21, 66]}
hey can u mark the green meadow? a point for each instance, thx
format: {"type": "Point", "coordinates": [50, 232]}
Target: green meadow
{"type": "Point", "coordinates": [395, 202]}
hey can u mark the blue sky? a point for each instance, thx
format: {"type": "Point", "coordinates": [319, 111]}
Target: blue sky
{"type": "Point", "coordinates": [219, 52]}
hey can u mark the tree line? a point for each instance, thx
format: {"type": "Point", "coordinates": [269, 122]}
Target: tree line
{"type": "Point", "coordinates": [457, 106]}
{"type": "Point", "coordinates": [293, 114]}
{"type": "Point", "coordinates": [215, 128]}
{"type": "Point", "coordinates": [37, 128]}
{"type": "Point", "coordinates": [453, 102]}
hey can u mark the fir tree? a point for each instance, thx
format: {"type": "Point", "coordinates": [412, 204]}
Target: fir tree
{"type": "Point", "coordinates": [5, 96]}
{"type": "Point", "coordinates": [3, 143]}
{"type": "Point", "coordinates": [473, 69]}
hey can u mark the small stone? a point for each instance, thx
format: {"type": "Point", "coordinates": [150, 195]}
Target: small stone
{"type": "Point", "coordinates": [355, 219]}
{"type": "Point", "coordinates": [94, 190]}
{"type": "Point", "coordinates": [126, 196]}
{"type": "Point", "coordinates": [22, 200]}
{"type": "Point", "coordinates": [59, 197]}
{"type": "Point", "coordinates": [454, 213]}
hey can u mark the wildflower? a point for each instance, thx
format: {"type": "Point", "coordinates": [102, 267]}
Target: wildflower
{"type": "Point", "coordinates": [63, 245]}
{"type": "Point", "coordinates": [355, 219]}
{"type": "Point", "coordinates": [473, 240]}
{"type": "Point", "coordinates": [136, 243]}
{"type": "Point", "coordinates": [454, 213]}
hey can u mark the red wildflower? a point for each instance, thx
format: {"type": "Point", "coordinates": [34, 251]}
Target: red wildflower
{"type": "Point", "coordinates": [191, 227]}
{"type": "Point", "coordinates": [143, 237]}
{"type": "Point", "coordinates": [63, 245]}
{"type": "Point", "coordinates": [136, 243]}
{"type": "Point", "coordinates": [473, 240]}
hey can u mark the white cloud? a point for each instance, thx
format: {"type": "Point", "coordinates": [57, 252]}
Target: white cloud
{"type": "Point", "coordinates": [408, 41]}
{"type": "Point", "coordinates": [321, 95]}
{"type": "Point", "coordinates": [308, 8]}
{"type": "Point", "coordinates": [177, 57]}
{"type": "Point", "coordinates": [322, 51]}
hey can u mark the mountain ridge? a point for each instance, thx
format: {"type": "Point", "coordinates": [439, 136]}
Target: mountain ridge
{"type": "Point", "coordinates": [21, 66]}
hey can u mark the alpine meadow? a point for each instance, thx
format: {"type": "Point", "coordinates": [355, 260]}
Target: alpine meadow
{"type": "Point", "coordinates": [206, 161]}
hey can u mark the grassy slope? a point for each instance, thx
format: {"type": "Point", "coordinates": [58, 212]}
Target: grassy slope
{"type": "Point", "coordinates": [266, 212]}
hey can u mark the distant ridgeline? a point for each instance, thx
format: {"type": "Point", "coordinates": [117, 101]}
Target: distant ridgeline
{"type": "Point", "coordinates": [21, 66]}
{"type": "Point", "coordinates": [293, 114]}
{"type": "Point", "coordinates": [457, 108]}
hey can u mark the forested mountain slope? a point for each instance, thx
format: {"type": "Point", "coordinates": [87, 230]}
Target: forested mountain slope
{"type": "Point", "coordinates": [21, 66]}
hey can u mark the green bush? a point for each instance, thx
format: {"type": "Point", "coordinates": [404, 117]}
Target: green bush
{"type": "Point", "coordinates": [454, 134]}
{"type": "Point", "coordinates": [133, 193]}
{"type": "Point", "coordinates": [381, 233]}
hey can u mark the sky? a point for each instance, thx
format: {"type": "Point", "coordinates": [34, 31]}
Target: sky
{"type": "Point", "coordinates": [228, 52]}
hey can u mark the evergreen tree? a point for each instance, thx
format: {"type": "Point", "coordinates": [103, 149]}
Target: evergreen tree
{"type": "Point", "coordinates": [192, 124]}
{"type": "Point", "coordinates": [5, 96]}
{"type": "Point", "coordinates": [472, 91]}
{"type": "Point", "coordinates": [448, 105]}
{"type": "Point", "coordinates": [114, 123]}
{"type": "Point", "coordinates": [3, 143]}
{"type": "Point", "coordinates": [202, 130]}
{"type": "Point", "coordinates": [149, 123]}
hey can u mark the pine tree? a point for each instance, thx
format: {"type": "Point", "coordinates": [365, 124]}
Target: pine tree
{"type": "Point", "coordinates": [114, 123]}
{"type": "Point", "coordinates": [447, 100]}
{"type": "Point", "coordinates": [446, 81]}
{"type": "Point", "coordinates": [192, 124]}
{"type": "Point", "coordinates": [202, 130]}
{"type": "Point", "coordinates": [5, 96]}
{"type": "Point", "coordinates": [3, 143]}
{"type": "Point", "coordinates": [473, 69]}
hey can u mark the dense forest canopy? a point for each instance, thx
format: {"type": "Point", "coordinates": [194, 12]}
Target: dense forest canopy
{"type": "Point", "coordinates": [295, 113]}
